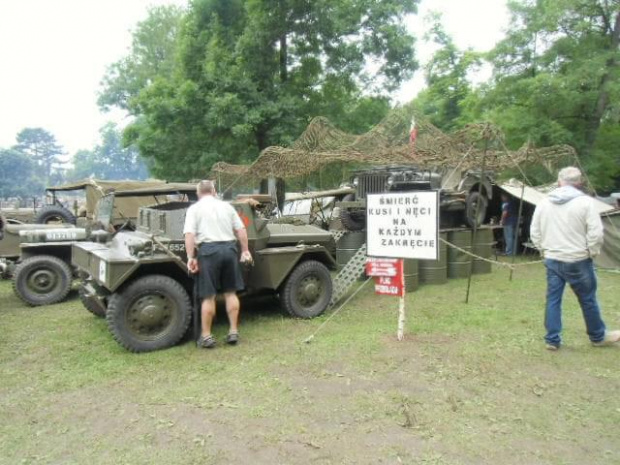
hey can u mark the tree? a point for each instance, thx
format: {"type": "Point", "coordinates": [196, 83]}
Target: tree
{"type": "Point", "coordinates": [17, 175]}
{"type": "Point", "coordinates": [557, 80]}
{"type": "Point", "coordinates": [152, 55]}
{"type": "Point", "coordinates": [447, 79]}
{"type": "Point", "coordinates": [41, 146]}
{"type": "Point", "coordinates": [252, 73]}
{"type": "Point", "coordinates": [109, 160]}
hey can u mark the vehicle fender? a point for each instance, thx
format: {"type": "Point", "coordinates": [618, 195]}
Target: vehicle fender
{"type": "Point", "coordinates": [61, 250]}
{"type": "Point", "coordinates": [273, 265]}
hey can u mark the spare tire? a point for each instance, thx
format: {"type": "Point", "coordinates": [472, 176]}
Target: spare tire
{"type": "Point", "coordinates": [54, 214]}
{"type": "Point", "coordinates": [476, 209]}
{"type": "Point", "coordinates": [352, 220]}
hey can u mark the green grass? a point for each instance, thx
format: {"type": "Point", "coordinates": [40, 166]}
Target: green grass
{"type": "Point", "coordinates": [471, 384]}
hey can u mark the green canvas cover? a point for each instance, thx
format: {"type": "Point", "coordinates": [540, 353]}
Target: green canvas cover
{"type": "Point", "coordinates": [96, 188]}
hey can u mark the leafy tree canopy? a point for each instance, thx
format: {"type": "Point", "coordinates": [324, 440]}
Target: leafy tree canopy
{"type": "Point", "coordinates": [41, 146]}
{"type": "Point", "coordinates": [17, 175]}
{"type": "Point", "coordinates": [556, 81]}
{"type": "Point", "coordinates": [152, 54]}
{"type": "Point", "coordinates": [109, 160]}
{"type": "Point", "coordinates": [252, 73]}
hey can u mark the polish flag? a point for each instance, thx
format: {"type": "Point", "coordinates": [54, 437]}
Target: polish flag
{"type": "Point", "coordinates": [413, 133]}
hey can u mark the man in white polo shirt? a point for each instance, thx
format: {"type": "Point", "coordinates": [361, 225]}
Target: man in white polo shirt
{"type": "Point", "coordinates": [212, 229]}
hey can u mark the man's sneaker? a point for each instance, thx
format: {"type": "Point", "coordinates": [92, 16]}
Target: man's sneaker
{"type": "Point", "coordinates": [207, 342]}
{"type": "Point", "coordinates": [611, 337]}
{"type": "Point", "coordinates": [232, 338]}
{"type": "Point", "coordinates": [551, 347]}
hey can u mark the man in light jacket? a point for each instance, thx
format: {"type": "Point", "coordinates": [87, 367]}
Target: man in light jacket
{"type": "Point", "coordinates": [568, 231]}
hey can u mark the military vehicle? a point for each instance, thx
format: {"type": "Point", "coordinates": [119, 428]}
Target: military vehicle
{"type": "Point", "coordinates": [44, 274]}
{"type": "Point", "coordinates": [139, 279]}
{"type": "Point", "coordinates": [463, 198]}
{"type": "Point", "coordinates": [54, 211]}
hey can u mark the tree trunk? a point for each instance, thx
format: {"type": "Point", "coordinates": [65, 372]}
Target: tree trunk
{"type": "Point", "coordinates": [283, 58]}
{"type": "Point", "coordinates": [602, 102]}
{"type": "Point", "coordinates": [261, 138]}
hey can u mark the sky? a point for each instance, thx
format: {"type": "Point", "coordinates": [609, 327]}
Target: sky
{"type": "Point", "coordinates": [53, 55]}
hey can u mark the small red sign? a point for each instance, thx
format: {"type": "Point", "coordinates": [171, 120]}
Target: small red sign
{"type": "Point", "coordinates": [382, 266]}
{"type": "Point", "coordinates": [388, 274]}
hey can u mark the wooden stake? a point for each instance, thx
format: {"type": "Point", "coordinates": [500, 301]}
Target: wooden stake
{"type": "Point", "coordinates": [400, 335]}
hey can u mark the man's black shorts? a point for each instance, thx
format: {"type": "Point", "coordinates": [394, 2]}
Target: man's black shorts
{"type": "Point", "coordinates": [219, 269]}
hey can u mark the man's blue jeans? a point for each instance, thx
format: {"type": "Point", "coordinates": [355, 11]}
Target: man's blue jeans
{"type": "Point", "coordinates": [509, 238]}
{"type": "Point", "coordinates": [582, 280]}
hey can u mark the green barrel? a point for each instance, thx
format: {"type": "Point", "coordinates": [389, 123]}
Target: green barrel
{"type": "Point", "coordinates": [412, 275]}
{"type": "Point", "coordinates": [435, 271]}
{"type": "Point", "coordinates": [348, 245]}
{"type": "Point", "coordinates": [483, 248]}
{"type": "Point", "coordinates": [458, 261]}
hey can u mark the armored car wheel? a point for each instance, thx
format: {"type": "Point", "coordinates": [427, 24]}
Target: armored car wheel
{"type": "Point", "coordinates": [54, 214]}
{"type": "Point", "coordinates": [151, 313]}
{"type": "Point", "coordinates": [475, 201]}
{"type": "Point", "coordinates": [308, 290]}
{"type": "Point", "coordinates": [42, 280]}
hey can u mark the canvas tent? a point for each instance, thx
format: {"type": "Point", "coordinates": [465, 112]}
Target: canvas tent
{"type": "Point", "coordinates": [610, 254]}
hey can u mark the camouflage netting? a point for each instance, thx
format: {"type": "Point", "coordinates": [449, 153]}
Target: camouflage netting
{"type": "Point", "coordinates": [322, 144]}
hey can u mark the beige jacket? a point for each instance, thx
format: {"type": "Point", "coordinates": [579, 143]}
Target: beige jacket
{"type": "Point", "coordinates": [566, 226]}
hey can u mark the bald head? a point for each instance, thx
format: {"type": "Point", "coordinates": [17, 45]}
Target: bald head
{"type": "Point", "coordinates": [205, 187]}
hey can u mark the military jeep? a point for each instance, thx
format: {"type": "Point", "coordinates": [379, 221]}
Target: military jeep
{"type": "Point", "coordinates": [44, 275]}
{"type": "Point", "coordinates": [463, 197]}
{"type": "Point", "coordinates": [139, 279]}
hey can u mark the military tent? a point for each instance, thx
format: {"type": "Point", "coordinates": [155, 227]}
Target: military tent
{"type": "Point", "coordinates": [610, 254]}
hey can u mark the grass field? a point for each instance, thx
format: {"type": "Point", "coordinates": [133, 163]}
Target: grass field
{"type": "Point", "coordinates": [471, 384]}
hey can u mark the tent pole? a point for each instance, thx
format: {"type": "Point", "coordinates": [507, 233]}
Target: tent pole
{"type": "Point", "coordinates": [519, 216]}
{"type": "Point", "coordinates": [475, 230]}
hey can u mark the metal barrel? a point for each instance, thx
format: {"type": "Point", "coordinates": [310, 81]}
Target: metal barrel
{"type": "Point", "coordinates": [458, 261]}
{"type": "Point", "coordinates": [483, 248]}
{"type": "Point", "coordinates": [436, 271]}
{"type": "Point", "coordinates": [348, 245]}
{"type": "Point", "coordinates": [412, 275]}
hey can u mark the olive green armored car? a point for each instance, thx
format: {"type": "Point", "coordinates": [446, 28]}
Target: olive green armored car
{"type": "Point", "coordinates": [139, 280]}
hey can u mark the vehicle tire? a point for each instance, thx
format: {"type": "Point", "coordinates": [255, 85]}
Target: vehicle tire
{"type": "Point", "coordinates": [151, 313]}
{"type": "Point", "coordinates": [475, 199]}
{"type": "Point", "coordinates": [307, 291]}
{"type": "Point", "coordinates": [88, 303]}
{"type": "Point", "coordinates": [42, 280]}
{"type": "Point", "coordinates": [3, 224]}
{"type": "Point", "coordinates": [352, 220]}
{"type": "Point", "coordinates": [54, 214]}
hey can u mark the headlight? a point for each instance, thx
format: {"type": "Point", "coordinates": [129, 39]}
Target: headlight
{"type": "Point", "coordinates": [356, 181]}
{"type": "Point", "coordinates": [390, 181]}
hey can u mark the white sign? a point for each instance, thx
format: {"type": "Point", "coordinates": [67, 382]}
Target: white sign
{"type": "Point", "coordinates": [403, 225]}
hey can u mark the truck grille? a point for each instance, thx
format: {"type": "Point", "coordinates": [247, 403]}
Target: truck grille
{"type": "Point", "coordinates": [371, 184]}
{"type": "Point", "coordinates": [162, 223]}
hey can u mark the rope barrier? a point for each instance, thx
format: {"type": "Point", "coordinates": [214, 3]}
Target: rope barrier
{"type": "Point", "coordinates": [308, 340]}
{"type": "Point", "coordinates": [493, 262]}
